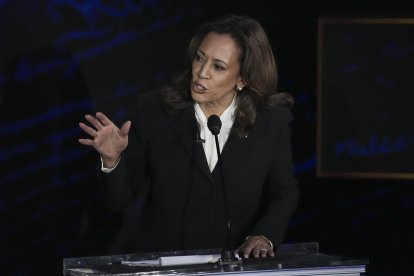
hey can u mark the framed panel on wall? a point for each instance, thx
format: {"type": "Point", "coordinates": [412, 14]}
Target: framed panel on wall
{"type": "Point", "coordinates": [365, 112]}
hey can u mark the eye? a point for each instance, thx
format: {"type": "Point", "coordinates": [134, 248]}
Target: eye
{"type": "Point", "coordinates": [198, 57]}
{"type": "Point", "coordinates": [219, 67]}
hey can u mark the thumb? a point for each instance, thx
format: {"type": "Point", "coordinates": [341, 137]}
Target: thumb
{"type": "Point", "coordinates": [125, 128]}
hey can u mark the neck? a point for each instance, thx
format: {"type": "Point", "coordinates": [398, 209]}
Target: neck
{"type": "Point", "coordinates": [210, 110]}
{"type": "Point", "coordinates": [216, 108]}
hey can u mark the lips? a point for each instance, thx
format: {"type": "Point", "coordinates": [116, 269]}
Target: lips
{"type": "Point", "coordinates": [199, 88]}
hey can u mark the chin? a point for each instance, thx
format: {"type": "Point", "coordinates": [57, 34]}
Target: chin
{"type": "Point", "coordinates": [197, 97]}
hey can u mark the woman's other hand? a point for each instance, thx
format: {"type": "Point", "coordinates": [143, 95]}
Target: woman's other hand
{"type": "Point", "coordinates": [256, 247]}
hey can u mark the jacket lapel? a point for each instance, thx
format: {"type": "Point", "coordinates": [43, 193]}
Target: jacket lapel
{"type": "Point", "coordinates": [233, 151]}
{"type": "Point", "coordinates": [186, 129]}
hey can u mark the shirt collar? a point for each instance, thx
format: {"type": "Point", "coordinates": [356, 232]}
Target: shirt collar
{"type": "Point", "coordinates": [226, 117]}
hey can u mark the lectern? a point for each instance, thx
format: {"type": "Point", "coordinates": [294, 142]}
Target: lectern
{"type": "Point", "coordinates": [291, 259]}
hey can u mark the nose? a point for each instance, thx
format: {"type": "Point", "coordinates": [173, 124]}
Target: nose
{"type": "Point", "coordinates": [203, 71]}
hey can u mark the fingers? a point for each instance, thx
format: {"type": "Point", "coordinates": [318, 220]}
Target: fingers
{"type": "Point", "coordinates": [102, 127]}
{"type": "Point", "coordinates": [88, 130]}
{"type": "Point", "coordinates": [103, 119]}
{"type": "Point", "coordinates": [87, 142]}
{"type": "Point", "coordinates": [99, 122]}
{"type": "Point", "coordinates": [95, 122]}
{"type": "Point", "coordinates": [256, 247]}
{"type": "Point", "coordinates": [247, 250]}
{"type": "Point", "coordinates": [260, 252]}
{"type": "Point", "coordinates": [125, 128]}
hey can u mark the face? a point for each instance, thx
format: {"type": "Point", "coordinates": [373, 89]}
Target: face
{"type": "Point", "coordinates": [216, 73]}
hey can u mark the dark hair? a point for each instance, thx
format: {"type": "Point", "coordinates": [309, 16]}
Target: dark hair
{"type": "Point", "coordinates": [257, 69]}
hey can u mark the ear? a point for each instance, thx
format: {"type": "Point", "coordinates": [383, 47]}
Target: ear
{"type": "Point", "coordinates": [241, 83]}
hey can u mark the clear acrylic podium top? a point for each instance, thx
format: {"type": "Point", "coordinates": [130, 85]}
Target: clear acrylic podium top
{"type": "Point", "coordinates": [290, 259]}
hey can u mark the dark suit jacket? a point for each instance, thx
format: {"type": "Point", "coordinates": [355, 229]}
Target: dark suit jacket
{"type": "Point", "coordinates": [184, 207]}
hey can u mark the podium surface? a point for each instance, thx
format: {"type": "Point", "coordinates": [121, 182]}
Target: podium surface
{"type": "Point", "coordinates": [290, 259]}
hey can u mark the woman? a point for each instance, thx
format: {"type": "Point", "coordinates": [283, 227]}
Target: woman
{"type": "Point", "coordinates": [168, 159]}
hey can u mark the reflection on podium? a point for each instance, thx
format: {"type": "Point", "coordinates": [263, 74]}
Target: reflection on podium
{"type": "Point", "coordinates": [291, 259]}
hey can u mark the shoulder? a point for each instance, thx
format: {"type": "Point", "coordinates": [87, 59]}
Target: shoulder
{"type": "Point", "coordinates": [147, 109]}
{"type": "Point", "coordinates": [272, 121]}
{"type": "Point", "coordinates": [150, 99]}
{"type": "Point", "coordinates": [277, 113]}
{"type": "Point", "coordinates": [154, 101]}
{"type": "Point", "coordinates": [150, 104]}
{"type": "Point", "coordinates": [150, 113]}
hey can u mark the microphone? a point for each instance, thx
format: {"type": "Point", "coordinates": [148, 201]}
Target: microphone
{"type": "Point", "coordinates": [214, 125]}
{"type": "Point", "coordinates": [227, 254]}
{"type": "Point", "coordinates": [198, 138]}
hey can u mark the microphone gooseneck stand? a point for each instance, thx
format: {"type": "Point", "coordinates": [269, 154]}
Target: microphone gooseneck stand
{"type": "Point", "coordinates": [228, 257]}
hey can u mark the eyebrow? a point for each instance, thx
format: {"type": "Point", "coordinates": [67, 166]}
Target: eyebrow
{"type": "Point", "coordinates": [216, 59]}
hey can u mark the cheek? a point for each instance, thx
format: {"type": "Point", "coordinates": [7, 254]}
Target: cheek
{"type": "Point", "coordinates": [225, 83]}
{"type": "Point", "coordinates": [194, 69]}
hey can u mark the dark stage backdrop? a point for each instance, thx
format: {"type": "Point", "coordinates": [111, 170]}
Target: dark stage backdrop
{"type": "Point", "coordinates": [62, 59]}
{"type": "Point", "coordinates": [365, 96]}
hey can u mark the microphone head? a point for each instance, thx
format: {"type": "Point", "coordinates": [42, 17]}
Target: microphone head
{"type": "Point", "coordinates": [214, 124]}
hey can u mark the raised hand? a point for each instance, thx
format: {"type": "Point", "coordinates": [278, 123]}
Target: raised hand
{"type": "Point", "coordinates": [107, 139]}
